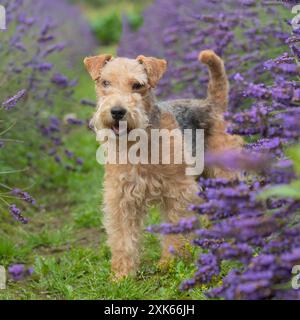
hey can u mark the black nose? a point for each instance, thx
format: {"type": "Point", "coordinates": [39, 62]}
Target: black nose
{"type": "Point", "coordinates": [117, 113]}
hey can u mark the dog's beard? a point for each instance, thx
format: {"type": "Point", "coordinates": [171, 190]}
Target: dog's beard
{"type": "Point", "coordinates": [136, 119]}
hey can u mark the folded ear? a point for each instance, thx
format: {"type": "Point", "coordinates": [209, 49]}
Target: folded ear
{"type": "Point", "coordinates": [95, 64]}
{"type": "Point", "coordinates": [155, 68]}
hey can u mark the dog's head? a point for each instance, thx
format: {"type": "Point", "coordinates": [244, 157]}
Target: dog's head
{"type": "Point", "coordinates": [124, 89]}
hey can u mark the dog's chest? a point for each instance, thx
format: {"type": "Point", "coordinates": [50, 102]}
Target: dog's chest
{"type": "Point", "coordinates": [142, 184]}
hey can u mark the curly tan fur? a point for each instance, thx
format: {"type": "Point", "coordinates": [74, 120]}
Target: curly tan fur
{"type": "Point", "coordinates": [129, 190]}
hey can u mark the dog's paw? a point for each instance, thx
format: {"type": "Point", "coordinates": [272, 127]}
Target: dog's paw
{"type": "Point", "coordinates": [165, 264]}
{"type": "Point", "coordinates": [118, 276]}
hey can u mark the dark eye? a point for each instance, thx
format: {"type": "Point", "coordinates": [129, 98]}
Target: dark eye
{"type": "Point", "coordinates": [105, 83]}
{"type": "Point", "coordinates": [137, 86]}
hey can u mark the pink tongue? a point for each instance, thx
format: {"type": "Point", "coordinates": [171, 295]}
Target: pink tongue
{"type": "Point", "coordinates": [115, 129]}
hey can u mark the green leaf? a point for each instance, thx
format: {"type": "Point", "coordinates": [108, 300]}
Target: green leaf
{"type": "Point", "coordinates": [294, 154]}
{"type": "Point", "coordinates": [283, 191]}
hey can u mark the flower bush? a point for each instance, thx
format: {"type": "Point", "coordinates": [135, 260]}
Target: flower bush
{"type": "Point", "coordinates": [35, 96]}
{"type": "Point", "coordinates": [251, 238]}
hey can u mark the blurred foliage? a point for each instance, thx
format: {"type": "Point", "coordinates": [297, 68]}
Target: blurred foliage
{"type": "Point", "coordinates": [135, 20]}
{"type": "Point", "coordinates": [106, 17]}
{"type": "Point", "coordinates": [108, 30]}
{"type": "Point", "coordinates": [100, 3]}
{"type": "Point", "coordinates": [290, 190]}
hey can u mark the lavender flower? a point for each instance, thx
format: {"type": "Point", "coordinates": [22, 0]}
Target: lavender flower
{"type": "Point", "coordinates": [26, 52]}
{"type": "Point", "coordinates": [19, 271]}
{"type": "Point", "coordinates": [17, 214]}
{"type": "Point", "coordinates": [79, 161]}
{"type": "Point", "coordinates": [23, 195]}
{"type": "Point", "coordinates": [259, 234]}
{"type": "Point", "coordinates": [11, 102]}
{"type": "Point", "coordinates": [60, 80]}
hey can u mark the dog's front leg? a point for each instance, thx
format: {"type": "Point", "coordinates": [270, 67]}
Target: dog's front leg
{"type": "Point", "coordinates": [123, 222]}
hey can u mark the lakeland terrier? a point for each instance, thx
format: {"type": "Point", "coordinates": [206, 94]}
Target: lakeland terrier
{"type": "Point", "coordinates": [125, 92]}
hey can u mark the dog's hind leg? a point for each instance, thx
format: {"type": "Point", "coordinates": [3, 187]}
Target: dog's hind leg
{"type": "Point", "coordinates": [220, 142]}
{"type": "Point", "coordinates": [174, 208]}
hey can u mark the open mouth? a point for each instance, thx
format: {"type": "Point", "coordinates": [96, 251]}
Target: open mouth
{"type": "Point", "coordinates": [119, 130]}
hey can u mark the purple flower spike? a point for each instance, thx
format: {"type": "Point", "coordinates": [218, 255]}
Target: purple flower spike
{"type": "Point", "coordinates": [19, 272]}
{"type": "Point", "coordinates": [44, 67]}
{"type": "Point", "coordinates": [11, 102]}
{"type": "Point", "coordinates": [23, 195]}
{"type": "Point", "coordinates": [79, 161]}
{"type": "Point", "coordinates": [17, 214]}
{"type": "Point", "coordinates": [60, 80]}
{"type": "Point", "coordinates": [257, 235]}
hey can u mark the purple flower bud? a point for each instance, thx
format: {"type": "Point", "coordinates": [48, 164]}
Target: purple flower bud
{"type": "Point", "coordinates": [17, 214]}
{"type": "Point", "coordinates": [19, 271]}
{"type": "Point", "coordinates": [11, 102]}
{"type": "Point", "coordinates": [60, 80]}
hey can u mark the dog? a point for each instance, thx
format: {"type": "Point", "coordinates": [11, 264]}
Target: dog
{"type": "Point", "coordinates": [125, 92]}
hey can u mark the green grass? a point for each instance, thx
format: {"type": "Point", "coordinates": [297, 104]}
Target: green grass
{"type": "Point", "coordinates": [65, 241]}
{"type": "Point", "coordinates": [66, 246]}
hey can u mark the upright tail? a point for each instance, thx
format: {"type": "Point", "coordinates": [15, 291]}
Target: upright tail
{"type": "Point", "coordinates": [218, 86]}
